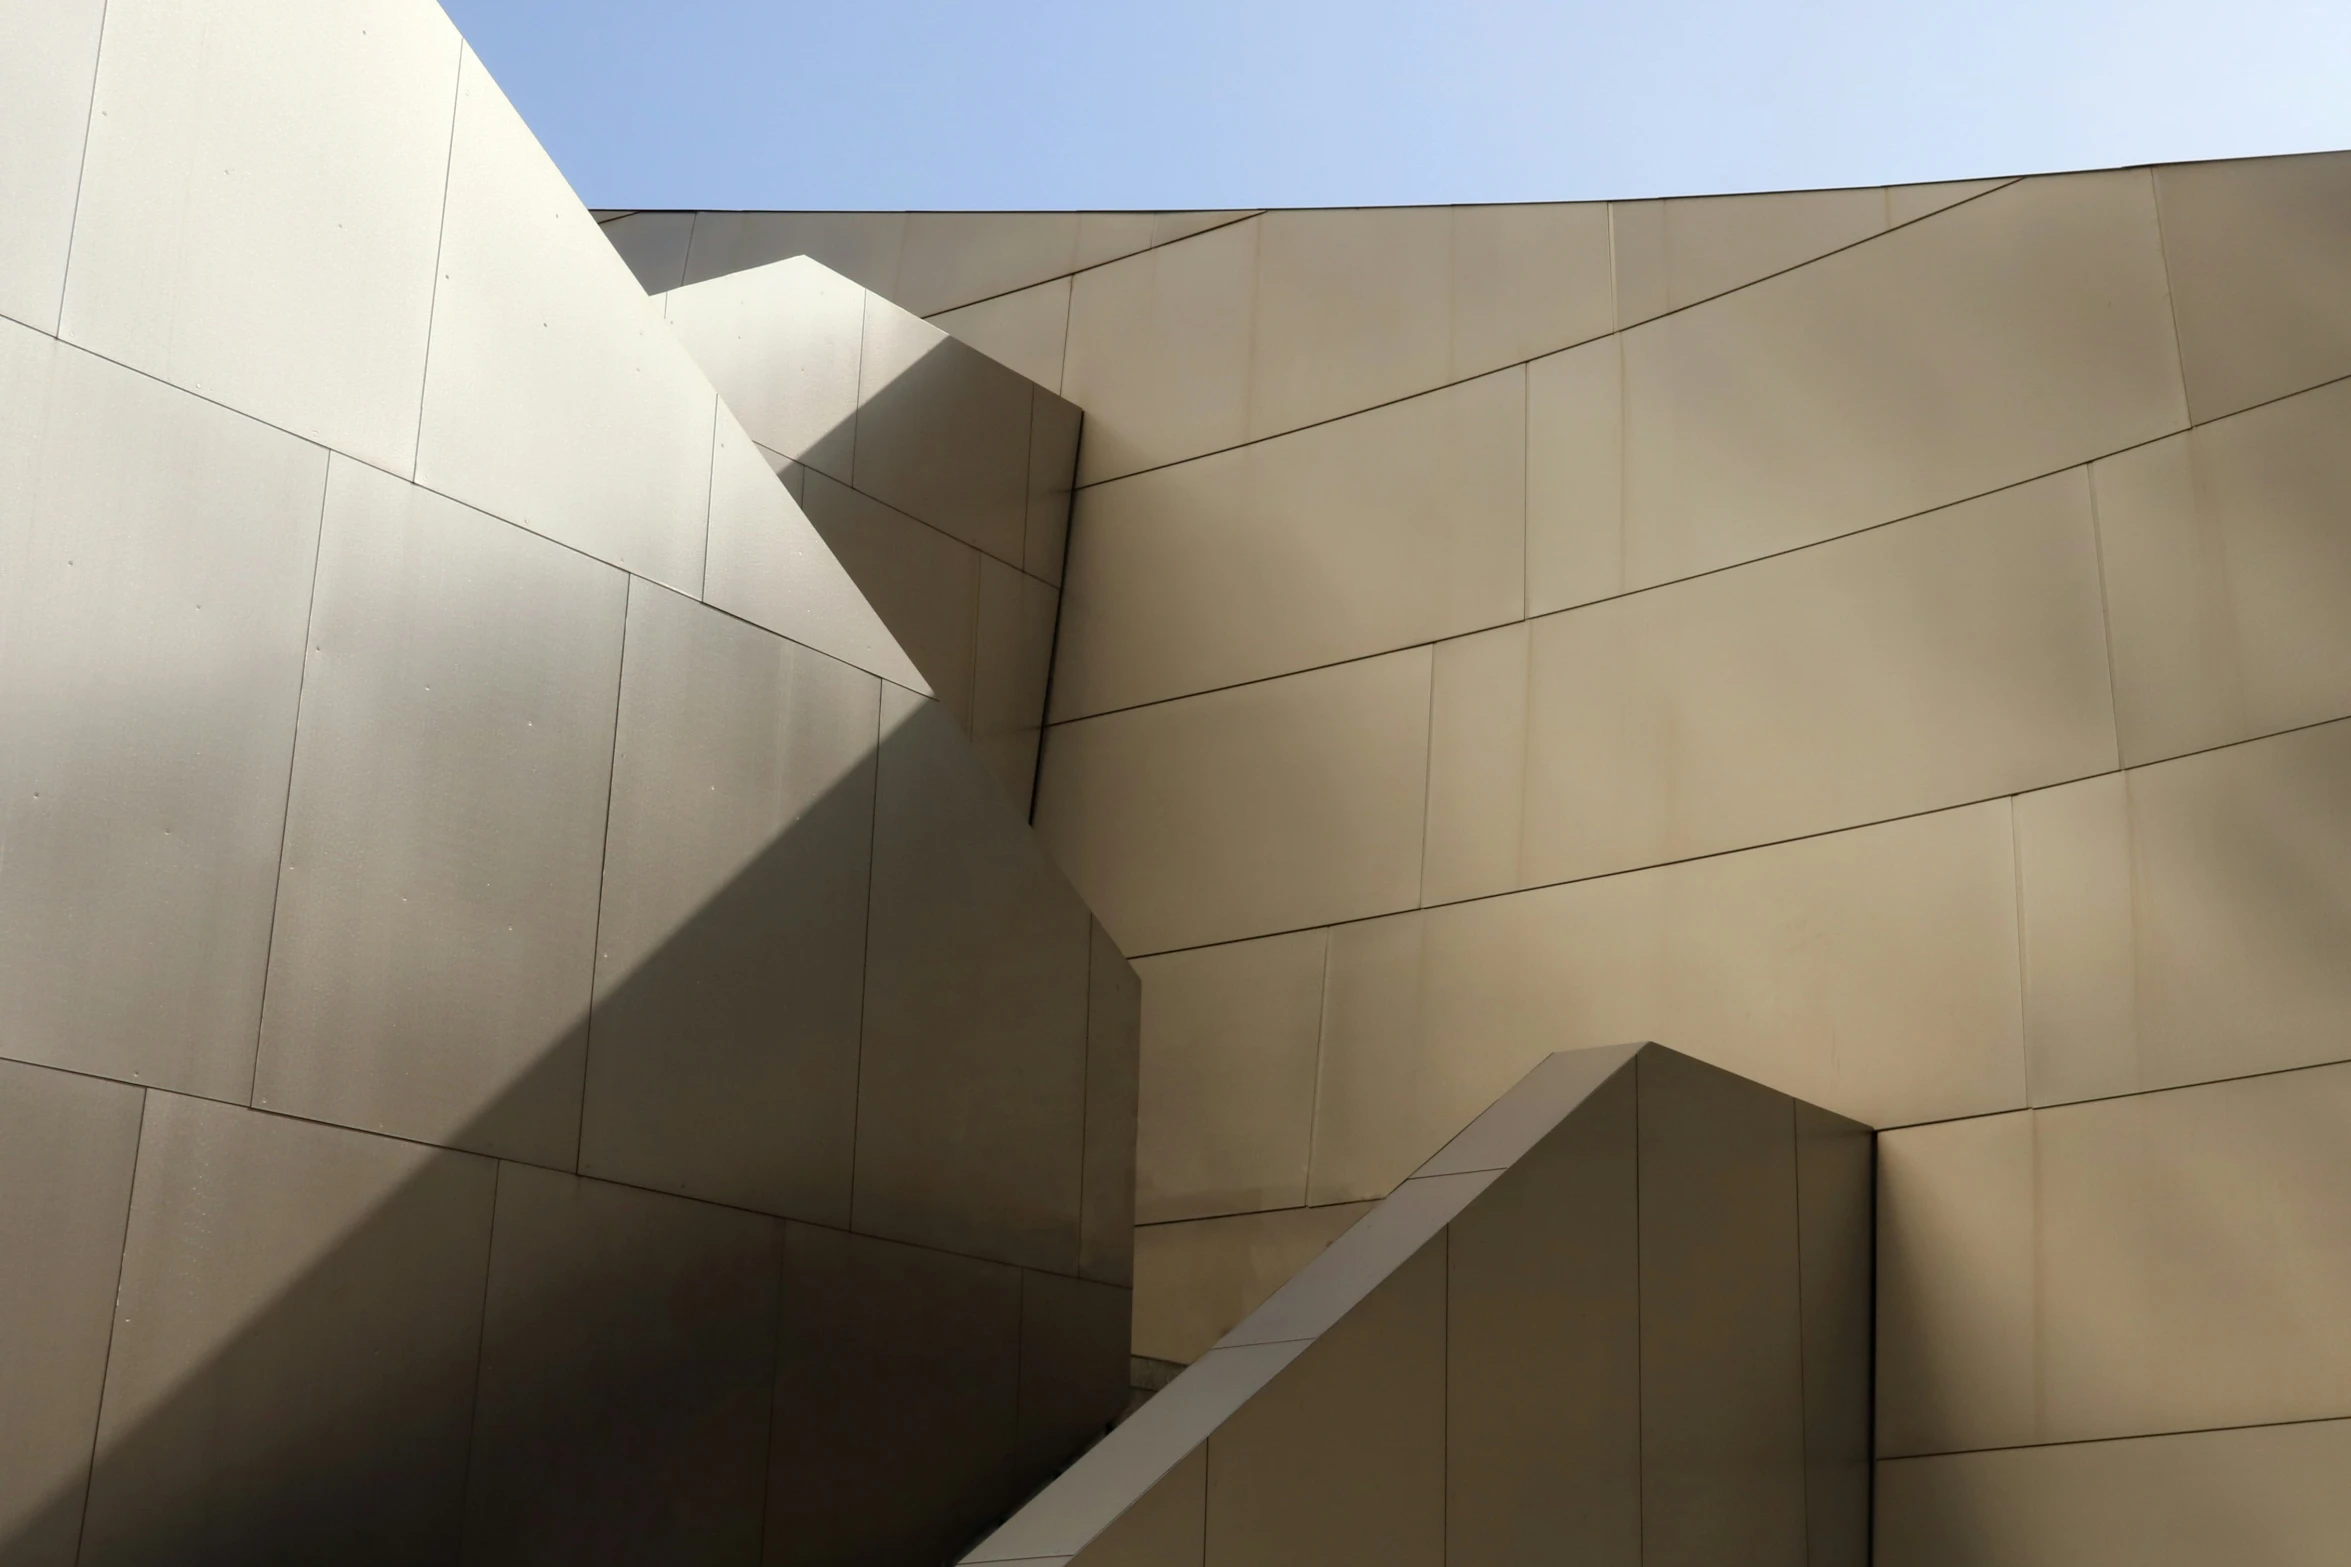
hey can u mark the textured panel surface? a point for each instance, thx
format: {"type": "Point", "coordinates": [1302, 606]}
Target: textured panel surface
{"type": "Point", "coordinates": [1158, 352]}
{"type": "Point", "coordinates": [67, 1145]}
{"type": "Point", "coordinates": [1341, 1458]}
{"type": "Point", "coordinates": [626, 1376]}
{"type": "Point", "coordinates": [1230, 1040]}
{"type": "Point", "coordinates": [781, 344]}
{"type": "Point", "coordinates": [1267, 807]}
{"type": "Point", "coordinates": [48, 59]}
{"type": "Point", "coordinates": [1949, 658]}
{"type": "Point", "coordinates": [317, 326]}
{"type": "Point", "coordinates": [1371, 533]}
{"type": "Point", "coordinates": [722, 1053]}
{"type": "Point", "coordinates": [971, 1097]}
{"type": "Point", "coordinates": [158, 554]}
{"type": "Point", "coordinates": [1543, 1376]}
{"type": "Point", "coordinates": [898, 1372]}
{"type": "Point", "coordinates": [555, 396]}
{"type": "Point", "coordinates": [436, 919]}
{"type": "Point", "coordinates": [2256, 252]}
{"type": "Point", "coordinates": [1106, 1221]}
{"type": "Point", "coordinates": [2268, 1494]}
{"type": "Point", "coordinates": [239, 1424]}
{"type": "Point", "coordinates": [2009, 337]}
{"type": "Point", "coordinates": [1195, 1280]}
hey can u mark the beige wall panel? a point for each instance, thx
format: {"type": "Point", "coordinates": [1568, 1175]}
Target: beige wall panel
{"type": "Point", "coordinates": [2007, 337]}
{"type": "Point", "coordinates": [722, 1052]}
{"type": "Point", "coordinates": [436, 917]}
{"type": "Point", "coordinates": [1477, 766]}
{"type": "Point", "coordinates": [2229, 575]}
{"type": "Point", "coordinates": [1957, 1351]}
{"type": "Point", "coordinates": [296, 1337]}
{"type": "Point", "coordinates": [781, 343]}
{"type": "Point", "coordinates": [1351, 310]}
{"type": "Point", "coordinates": [953, 258]}
{"type": "Point", "coordinates": [1106, 236]}
{"type": "Point", "coordinates": [1168, 227]}
{"type": "Point", "coordinates": [971, 1093]}
{"type": "Point", "coordinates": [627, 1377]}
{"type": "Point", "coordinates": [1721, 1424]}
{"type": "Point", "coordinates": [654, 245]}
{"type": "Point", "coordinates": [2195, 1252]}
{"type": "Point", "coordinates": [554, 395]}
{"type": "Point", "coordinates": [1195, 1281]}
{"type": "Point", "coordinates": [924, 584]}
{"type": "Point", "coordinates": [1075, 1368]}
{"type": "Point", "coordinates": [1114, 1020]}
{"type": "Point", "coordinates": [769, 565]}
{"type": "Point", "coordinates": [315, 323]}
{"type": "Point", "coordinates": [1951, 657]}
{"type": "Point", "coordinates": [1873, 972]}
{"type": "Point", "coordinates": [943, 433]}
{"type": "Point", "coordinates": [1164, 1528]}
{"type": "Point", "coordinates": [1909, 203]}
{"type": "Point", "coordinates": [48, 59]}
{"type": "Point", "coordinates": [2243, 864]}
{"type": "Point", "coordinates": [2177, 682]}
{"type": "Point", "coordinates": [862, 246]}
{"type": "Point", "coordinates": [159, 553]}
{"type": "Point", "coordinates": [1525, 280]}
{"type": "Point", "coordinates": [1268, 807]}
{"type": "Point", "coordinates": [1026, 329]}
{"type": "Point", "coordinates": [1342, 1457]}
{"type": "Point", "coordinates": [2073, 868]}
{"type": "Point", "coordinates": [1230, 1036]}
{"type": "Point", "coordinates": [1543, 1369]}
{"type": "Point", "coordinates": [1159, 352]}
{"type": "Point", "coordinates": [1675, 253]}
{"type": "Point", "coordinates": [1397, 526]}
{"type": "Point", "coordinates": [897, 1394]}
{"type": "Point", "coordinates": [1055, 427]}
{"type": "Point", "coordinates": [2273, 1495]}
{"type": "Point", "coordinates": [67, 1144]}
{"type": "Point", "coordinates": [1431, 1016]}
{"type": "Point", "coordinates": [2256, 251]}
{"type": "Point", "coordinates": [1012, 657]}
{"type": "Point", "coordinates": [1575, 476]}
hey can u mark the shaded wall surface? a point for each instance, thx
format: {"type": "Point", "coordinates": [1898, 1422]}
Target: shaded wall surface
{"type": "Point", "coordinates": [1889, 642]}
{"type": "Point", "coordinates": [938, 477]}
{"type": "Point", "coordinates": [526, 1032]}
{"type": "Point", "coordinates": [1622, 1318]}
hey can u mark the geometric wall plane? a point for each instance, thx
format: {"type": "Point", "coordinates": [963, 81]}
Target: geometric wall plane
{"type": "Point", "coordinates": [1623, 1314]}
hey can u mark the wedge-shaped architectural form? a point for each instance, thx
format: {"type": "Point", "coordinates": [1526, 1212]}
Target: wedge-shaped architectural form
{"type": "Point", "coordinates": [526, 1032]}
{"type": "Point", "coordinates": [938, 477]}
{"type": "Point", "coordinates": [1622, 1318]}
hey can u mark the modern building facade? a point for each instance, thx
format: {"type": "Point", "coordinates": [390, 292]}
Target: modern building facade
{"type": "Point", "coordinates": [667, 877]}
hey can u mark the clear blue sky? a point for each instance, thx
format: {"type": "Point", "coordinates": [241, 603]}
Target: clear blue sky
{"type": "Point", "coordinates": [1229, 103]}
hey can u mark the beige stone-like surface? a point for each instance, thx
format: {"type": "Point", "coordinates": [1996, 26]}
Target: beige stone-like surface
{"type": "Point", "coordinates": [1227, 1103]}
{"type": "Point", "coordinates": [1196, 1279]}
{"type": "Point", "coordinates": [1263, 808]}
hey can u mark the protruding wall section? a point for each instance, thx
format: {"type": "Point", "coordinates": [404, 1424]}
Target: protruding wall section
{"type": "Point", "coordinates": [1619, 1319]}
{"type": "Point", "coordinates": [533, 1035]}
{"type": "Point", "coordinates": [940, 478]}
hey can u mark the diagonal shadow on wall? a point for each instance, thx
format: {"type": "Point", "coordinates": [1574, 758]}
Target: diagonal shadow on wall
{"type": "Point", "coordinates": [336, 1346]}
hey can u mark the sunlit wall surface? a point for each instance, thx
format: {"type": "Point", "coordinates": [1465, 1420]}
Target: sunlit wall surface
{"type": "Point", "coordinates": [1888, 642]}
{"type": "Point", "coordinates": [526, 1032]}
